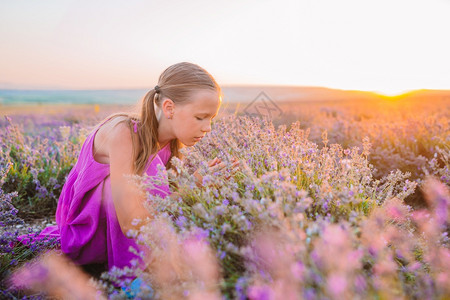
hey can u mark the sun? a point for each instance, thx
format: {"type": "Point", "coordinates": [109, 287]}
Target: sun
{"type": "Point", "coordinates": [391, 92]}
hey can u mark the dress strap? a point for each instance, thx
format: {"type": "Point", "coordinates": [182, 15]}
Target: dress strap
{"type": "Point", "coordinates": [135, 125]}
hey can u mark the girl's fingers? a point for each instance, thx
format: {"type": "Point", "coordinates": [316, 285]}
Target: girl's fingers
{"type": "Point", "coordinates": [214, 161]}
{"type": "Point", "coordinates": [216, 165]}
{"type": "Point", "coordinates": [216, 169]}
{"type": "Point", "coordinates": [235, 166]}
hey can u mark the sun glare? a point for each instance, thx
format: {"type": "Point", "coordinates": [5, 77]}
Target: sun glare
{"type": "Point", "coordinates": [391, 92]}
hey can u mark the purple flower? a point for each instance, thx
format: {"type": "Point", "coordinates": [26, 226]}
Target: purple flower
{"type": "Point", "coordinates": [262, 292]}
{"type": "Point", "coordinates": [239, 287]}
{"type": "Point", "coordinates": [337, 284]}
{"type": "Point", "coordinates": [360, 284]}
{"type": "Point", "coordinates": [309, 294]}
{"type": "Point", "coordinates": [31, 274]}
{"type": "Point", "coordinates": [180, 222]}
{"type": "Point", "coordinates": [201, 234]}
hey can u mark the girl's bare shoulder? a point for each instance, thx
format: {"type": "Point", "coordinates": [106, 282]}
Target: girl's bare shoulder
{"type": "Point", "coordinates": [114, 133]}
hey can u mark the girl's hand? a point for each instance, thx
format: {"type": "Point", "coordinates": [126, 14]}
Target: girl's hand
{"type": "Point", "coordinates": [216, 165]}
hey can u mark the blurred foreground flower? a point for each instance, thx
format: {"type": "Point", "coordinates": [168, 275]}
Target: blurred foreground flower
{"type": "Point", "coordinates": [275, 272]}
{"type": "Point", "coordinates": [438, 199]}
{"type": "Point", "coordinates": [180, 265]}
{"type": "Point", "coordinates": [56, 276]}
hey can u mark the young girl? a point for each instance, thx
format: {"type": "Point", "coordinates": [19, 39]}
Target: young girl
{"type": "Point", "coordinates": [97, 204]}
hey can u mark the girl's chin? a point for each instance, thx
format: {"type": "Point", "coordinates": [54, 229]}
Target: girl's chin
{"type": "Point", "coordinates": [189, 143]}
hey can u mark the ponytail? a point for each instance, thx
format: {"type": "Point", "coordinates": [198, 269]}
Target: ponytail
{"type": "Point", "coordinates": [148, 132]}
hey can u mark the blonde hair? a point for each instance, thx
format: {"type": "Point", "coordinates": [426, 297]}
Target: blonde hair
{"type": "Point", "coordinates": [178, 82]}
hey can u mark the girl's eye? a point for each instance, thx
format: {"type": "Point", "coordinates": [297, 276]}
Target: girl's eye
{"type": "Point", "coordinates": [198, 118]}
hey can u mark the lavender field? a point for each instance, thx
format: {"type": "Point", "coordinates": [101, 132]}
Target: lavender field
{"type": "Point", "coordinates": [332, 200]}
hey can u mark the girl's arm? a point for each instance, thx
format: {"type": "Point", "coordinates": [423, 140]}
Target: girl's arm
{"type": "Point", "coordinates": [128, 198]}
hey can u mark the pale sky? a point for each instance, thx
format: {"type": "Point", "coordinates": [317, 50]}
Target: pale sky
{"type": "Point", "coordinates": [388, 46]}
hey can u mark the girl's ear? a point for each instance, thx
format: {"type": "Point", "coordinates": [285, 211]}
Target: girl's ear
{"type": "Point", "coordinates": [168, 107]}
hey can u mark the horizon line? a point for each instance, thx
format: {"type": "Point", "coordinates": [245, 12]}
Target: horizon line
{"type": "Point", "coordinates": [222, 86]}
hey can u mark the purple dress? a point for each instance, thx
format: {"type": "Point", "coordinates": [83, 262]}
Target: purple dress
{"type": "Point", "coordinates": [87, 224]}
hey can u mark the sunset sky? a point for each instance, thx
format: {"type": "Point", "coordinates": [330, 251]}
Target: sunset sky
{"type": "Point", "coordinates": [387, 46]}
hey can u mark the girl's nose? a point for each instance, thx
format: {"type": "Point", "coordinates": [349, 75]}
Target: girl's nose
{"type": "Point", "coordinates": [207, 127]}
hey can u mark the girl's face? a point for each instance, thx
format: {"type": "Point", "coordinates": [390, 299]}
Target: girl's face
{"type": "Point", "coordinates": [190, 122]}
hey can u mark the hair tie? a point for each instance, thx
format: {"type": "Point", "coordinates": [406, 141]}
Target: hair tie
{"type": "Point", "coordinates": [157, 90]}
